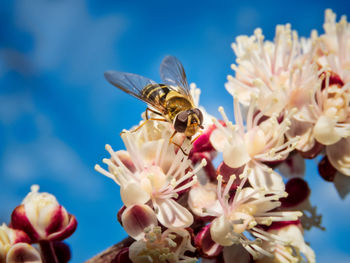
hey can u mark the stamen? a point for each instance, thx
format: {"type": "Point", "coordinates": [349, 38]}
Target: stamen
{"type": "Point", "coordinates": [99, 169]}
{"type": "Point", "coordinates": [270, 236]}
{"type": "Point", "coordinates": [229, 184]}
{"type": "Point", "coordinates": [123, 175]}
{"type": "Point", "coordinates": [188, 185]}
{"type": "Point", "coordinates": [251, 111]}
{"type": "Point", "coordinates": [251, 251]}
{"type": "Point", "coordinates": [238, 116]}
{"type": "Point", "coordinates": [262, 251]}
{"type": "Point", "coordinates": [264, 199]}
{"type": "Point", "coordinates": [219, 193]}
{"type": "Point", "coordinates": [222, 129]}
{"type": "Point", "coordinates": [177, 165]}
{"type": "Point", "coordinates": [132, 149]}
{"type": "Point", "coordinates": [246, 198]}
{"type": "Point", "coordinates": [265, 216]}
{"type": "Point", "coordinates": [189, 174]}
{"type": "Point", "coordinates": [285, 256]}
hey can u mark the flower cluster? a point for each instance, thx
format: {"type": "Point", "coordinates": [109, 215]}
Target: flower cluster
{"type": "Point", "coordinates": [41, 220]}
{"type": "Point", "coordinates": [291, 101]}
{"type": "Point", "coordinates": [308, 76]}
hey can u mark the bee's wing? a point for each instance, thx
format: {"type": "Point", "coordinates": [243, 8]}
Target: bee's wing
{"type": "Point", "coordinates": [173, 73]}
{"type": "Point", "coordinates": [133, 85]}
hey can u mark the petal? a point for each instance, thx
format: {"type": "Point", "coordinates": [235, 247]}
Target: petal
{"type": "Point", "coordinates": [23, 253]}
{"type": "Point", "coordinates": [206, 245]}
{"type": "Point", "coordinates": [202, 200]}
{"type": "Point", "coordinates": [125, 158]}
{"type": "Point", "coordinates": [219, 229]}
{"type": "Point", "coordinates": [202, 143]}
{"type": "Point", "coordinates": [218, 140]}
{"type": "Point", "coordinates": [313, 152]}
{"type": "Point", "coordinates": [264, 177]}
{"type": "Point", "coordinates": [247, 191]}
{"type": "Point", "coordinates": [136, 218]}
{"type": "Point", "coordinates": [294, 234]}
{"type": "Point", "coordinates": [58, 220]}
{"type": "Point", "coordinates": [20, 221]}
{"type": "Point", "coordinates": [133, 194]}
{"type": "Point", "coordinates": [325, 131]}
{"type": "Point", "coordinates": [236, 155]}
{"type": "Point", "coordinates": [171, 214]}
{"type": "Point", "coordinates": [226, 172]}
{"type": "Point", "coordinates": [339, 155]}
{"type": "Point", "coordinates": [20, 237]}
{"type": "Point", "coordinates": [304, 130]}
{"type": "Point", "coordinates": [65, 232]}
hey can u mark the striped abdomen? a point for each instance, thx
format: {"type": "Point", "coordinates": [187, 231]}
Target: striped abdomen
{"type": "Point", "coordinates": [156, 93]}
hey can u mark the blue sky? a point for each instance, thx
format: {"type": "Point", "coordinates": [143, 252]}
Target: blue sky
{"type": "Point", "coordinates": [57, 112]}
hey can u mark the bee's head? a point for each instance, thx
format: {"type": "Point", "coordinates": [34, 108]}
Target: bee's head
{"type": "Point", "coordinates": [188, 121]}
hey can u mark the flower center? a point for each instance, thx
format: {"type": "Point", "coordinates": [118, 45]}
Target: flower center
{"type": "Point", "coordinates": [254, 141]}
{"type": "Point", "coordinates": [336, 106]}
{"type": "Point", "coordinates": [153, 179]}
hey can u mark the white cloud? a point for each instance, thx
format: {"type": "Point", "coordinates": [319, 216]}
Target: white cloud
{"type": "Point", "coordinates": [79, 44]}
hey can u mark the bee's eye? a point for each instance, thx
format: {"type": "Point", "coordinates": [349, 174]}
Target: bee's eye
{"type": "Point", "coordinates": [180, 121]}
{"type": "Point", "coordinates": [199, 114]}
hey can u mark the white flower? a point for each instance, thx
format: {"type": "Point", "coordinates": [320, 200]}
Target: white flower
{"type": "Point", "coordinates": [326, 120]}
{"type": "Point", "coordinates": [244, 212]}
{"type": "Point", "coordinates": [202, 199]}
{"type": "Point", "coordinates": [273, 72]}
{"type": "Point", "coordinates": [151, 172]}
{"type": "Point", "coordinates": [156, 247]}
{"type": "Point", "coordinates": [334, 46]}
{"type": "Point", "coordinates": [294, 251]}
{"type": "Point", "coordinates": [261, 141]}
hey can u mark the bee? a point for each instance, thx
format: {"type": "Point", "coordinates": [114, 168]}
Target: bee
{"type": "Point", "coordinates": [171, 100]}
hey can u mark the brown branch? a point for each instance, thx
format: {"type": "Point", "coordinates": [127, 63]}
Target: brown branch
{"type": "Point", "coordinates": [110, 253]}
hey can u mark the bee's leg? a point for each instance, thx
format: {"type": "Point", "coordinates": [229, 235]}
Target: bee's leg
{"type": "Point", "coordinates": [137, 128]}
{"type": "Point", "coordinates": [148, 109]}
{"type": "Point", "coordinates": [171, 141]}
{"type": "Point", "coordinates": [151, 119]}
{"type": "Point", "coordinates": [200, 133]}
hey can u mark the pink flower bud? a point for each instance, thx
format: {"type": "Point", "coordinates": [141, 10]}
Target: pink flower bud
{"type": "Point", "coordinates": [326, 170]}
{"type": "Point", "coordinates": [13, 246]}
{"type": "Point", "coordinates": [42, 217]}
{"type": "Point", "coordinates": [298, 191]}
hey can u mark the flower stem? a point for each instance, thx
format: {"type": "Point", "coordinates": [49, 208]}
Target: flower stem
{"type": "Point", "coordinates": [48, 252]}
